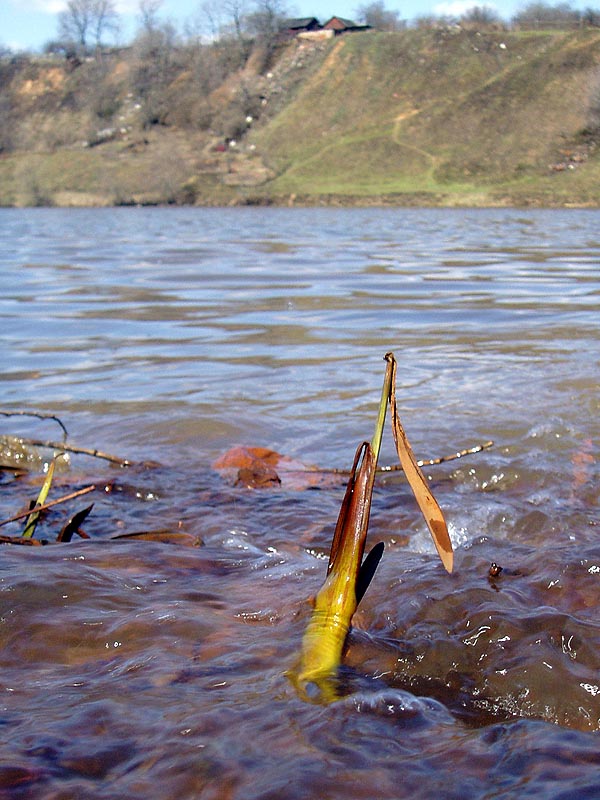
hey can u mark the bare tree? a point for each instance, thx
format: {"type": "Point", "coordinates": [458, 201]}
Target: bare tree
{"type": "Point", "coordinates": [148, 14]}
{"type": "Point", "coordinates": [86, 22]}
{"type": "Point", "coordinates": [481, 16]}
{"type": "Point", "coordinates": [157, 54]}
{"type": "Point", "coordinates": [543, 15]}
{"type": "Point", "coordinates": [210, 18]}
{"type": "Point", "coordinates": [591, 17]}
{"type": "Point", "coordinates": [378, 16]}
{"type": "Point", "coordinates": [264, 22]}
{"type": "Point", "coordinates": [236, 12]}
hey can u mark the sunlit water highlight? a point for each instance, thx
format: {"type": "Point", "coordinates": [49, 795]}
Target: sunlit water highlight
{"type": "Point", "coordinates": [141, 669]}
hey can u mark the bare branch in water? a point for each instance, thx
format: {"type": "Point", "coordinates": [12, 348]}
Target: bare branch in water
{"type": "Point", "coordinates": [86, 451]}
{"type": "Point", "coordinates": [49, 504]}
{"type": "Point", "coordinates": [20, 540]}
{"type": "Point", "coordinates": [429, 462]}
{"type": "Point", "coordinates": [426, 462]}
{"type": "Point", "coordinates": [38, 415]}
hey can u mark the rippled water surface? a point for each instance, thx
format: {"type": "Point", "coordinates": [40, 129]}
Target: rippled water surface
{"type": "Point", "coordinates": [136, 668]}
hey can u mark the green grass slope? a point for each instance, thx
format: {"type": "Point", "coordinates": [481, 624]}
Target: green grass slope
{"type": "Point", "coordinates": [448, 117]}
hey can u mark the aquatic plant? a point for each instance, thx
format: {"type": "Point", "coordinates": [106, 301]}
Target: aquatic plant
{"type": "Point", "coordinates": [33, 517]}
{"type": "Point", "coordinates": [348, 576]}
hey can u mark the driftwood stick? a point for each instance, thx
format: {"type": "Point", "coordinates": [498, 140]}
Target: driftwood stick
{"type": "Point", "coordinates": [38, 415]}
{"type": "Point", "coordinates": [49, 504]}
{"type": "Point", "coordinates": [71, 448]}
{"type": "Point", "coordinates": [426, 462]}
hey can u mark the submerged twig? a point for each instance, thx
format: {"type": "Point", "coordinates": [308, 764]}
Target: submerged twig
{"type": "Point", "coordinates": [49, 504]}
{"type": "Point", "coordinates": [430, 462]}
{"type": "Point", "coordinates": [422, 462]}
{"type": "Point", "coordinates": [70, 448]}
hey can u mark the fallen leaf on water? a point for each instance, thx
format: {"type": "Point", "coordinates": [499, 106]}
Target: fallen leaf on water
{"type": "Point", "coordinates": [260, 467]}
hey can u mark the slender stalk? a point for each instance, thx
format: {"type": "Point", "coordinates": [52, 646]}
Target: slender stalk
{"type": "Point", "coordinates": [32, 519]}
{"type": "Point", "coordinates": [383, 405]}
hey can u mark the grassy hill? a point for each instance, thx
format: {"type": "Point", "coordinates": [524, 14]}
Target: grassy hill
{"type": "Point", "coordinates": [447, 117]}
{"type": "Point", "coordinates": [439, 117]}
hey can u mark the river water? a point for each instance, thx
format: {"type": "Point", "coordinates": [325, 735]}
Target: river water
{"type": "Point", "coordinates": [145, 668]}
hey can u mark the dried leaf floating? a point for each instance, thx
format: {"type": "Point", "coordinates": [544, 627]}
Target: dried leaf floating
{"type": "Point", "coordinates": [261, 468]}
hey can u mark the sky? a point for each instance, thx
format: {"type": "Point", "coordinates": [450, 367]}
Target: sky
{"type": "Point", "coordinates": [29, 24]}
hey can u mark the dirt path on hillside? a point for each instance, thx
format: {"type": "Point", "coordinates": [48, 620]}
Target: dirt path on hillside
{"type": "Point", "coordinates": [433, 160]}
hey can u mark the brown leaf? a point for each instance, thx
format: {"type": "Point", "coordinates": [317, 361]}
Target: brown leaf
{"type": "Point", "coordinates": [353, 520]}
{"type": "Point", "coordinates": [336, 600]}
{"type": "Point", "coordinates": [418, 483]}
{"type": "Point", "coordinates": [260, 468]}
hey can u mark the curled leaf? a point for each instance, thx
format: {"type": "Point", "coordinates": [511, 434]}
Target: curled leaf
{"type": "Point", "coordinates": [418, 483]}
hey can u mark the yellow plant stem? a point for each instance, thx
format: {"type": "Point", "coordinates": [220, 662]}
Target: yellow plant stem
{"type": "Point", "coordinates": [347, 574]}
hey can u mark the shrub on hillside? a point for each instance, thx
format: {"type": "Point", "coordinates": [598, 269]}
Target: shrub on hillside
{"type": "Point", "coordinates": [540, 15]}
{"type": "Point", "coordinates": [594, 103]}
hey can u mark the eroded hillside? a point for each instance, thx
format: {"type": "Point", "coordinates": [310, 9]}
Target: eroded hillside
{"type": "Point", "coordinates": [445, 116]}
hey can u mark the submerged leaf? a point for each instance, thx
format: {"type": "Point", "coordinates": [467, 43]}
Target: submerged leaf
{"type": "Point", "coordinates": [20, 540]}
{"type": "Point", "coordinates": [259, 468]}
{"type": "Point", "coordinates": [165, 536]}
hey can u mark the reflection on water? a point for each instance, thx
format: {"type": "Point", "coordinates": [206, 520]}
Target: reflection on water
{"type": "Point", "coordinates": [170, 335]}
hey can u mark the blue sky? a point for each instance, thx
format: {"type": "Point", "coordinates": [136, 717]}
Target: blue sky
{"type": "Point", "coordinates": [28, 24]}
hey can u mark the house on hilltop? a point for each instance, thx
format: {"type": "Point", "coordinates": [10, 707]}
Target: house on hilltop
{"type": "Point", "coordinates": [340, 25]}
{"type": "Point", "coordinates": [310, 27]}
{"type": "Point", "coordinates": [292, 27]}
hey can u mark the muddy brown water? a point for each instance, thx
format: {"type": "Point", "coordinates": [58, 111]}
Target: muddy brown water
{"type": "Point", "coordinates": [139, 669]}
